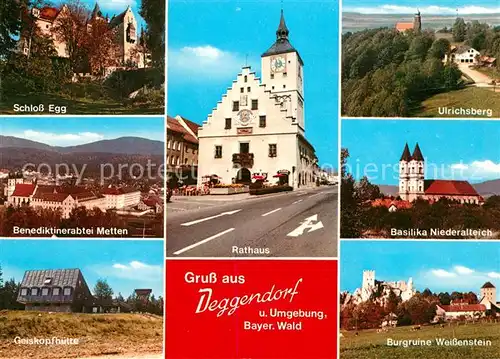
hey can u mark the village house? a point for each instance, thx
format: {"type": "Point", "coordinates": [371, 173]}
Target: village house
{"type": "Point", "coordinates": [58, 290]}
{"type": "Point", "coordinates": [63, 290]}
{"type": "Point", "coordinates": [182, 150]}
{"type": "Point", "coordinates": [128, 49]}
{"type": "Point", "coordinates": [413, 185]}
{"type": "Point", "coordinates": [463, 54]}
{"type": "Point", "coordinates": [458, 310]}
{"type": "Point", "coordinates": [257, 129]}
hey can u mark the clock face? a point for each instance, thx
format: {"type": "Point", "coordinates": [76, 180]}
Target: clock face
{"type": "Point", "coordinates": [278, 64]}
{"type": "Point", "coordinates": [245, 117]}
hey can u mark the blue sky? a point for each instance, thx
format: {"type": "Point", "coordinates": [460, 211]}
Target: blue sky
{"type": "Point", "coordinates": [439, 266]}
{"type": "Point", "coordinates": [441, 7]}
{"type": "Point", "coordinates": [126, 265]}
{"type": "Point", "coordinates": [115, 7]}
{"type": "Point", "coordinates": [209, 42]}
{"type": "Point", "coordinates": [69, 131]}
{"type": "Point", "coordinates": [459, 150]}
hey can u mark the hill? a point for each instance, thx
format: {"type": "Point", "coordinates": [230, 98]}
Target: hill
{"type": "Point", "coordinates": [98, 334]}
{"type": "Point", "coordinates": [470, 97]}
{"type": "Point", "coordinates": [121, 145]}
{"type": "Point", "coordinates": [10, 141]}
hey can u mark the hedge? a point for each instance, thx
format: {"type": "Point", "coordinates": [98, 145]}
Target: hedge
{"type": "Point", "coordinates": [267, 190]}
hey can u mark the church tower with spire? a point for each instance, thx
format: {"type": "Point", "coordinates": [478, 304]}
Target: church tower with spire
{"type": "Point", "coordinates": [282, 73]}
{"type": "Point", "coordinates": [404, 173]}
{"type": "Point", "coordinates": [411, 174]}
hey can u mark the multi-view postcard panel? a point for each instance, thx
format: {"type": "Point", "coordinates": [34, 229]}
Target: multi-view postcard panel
{"type": "Point", "coordinates": [399, 181]}
{"type": "Point", "coordinates": [84, 57]}
{"type": "Point", "coordinates": [67, 299]}
{"type": "Point", "coordinates": [420, 60]}
{"type": "Point", "coordinates": [82, 177]}
{"type": "Point", "coordinates": [441, 303]}
{"type": "Point", "coordinates": [265, 183]}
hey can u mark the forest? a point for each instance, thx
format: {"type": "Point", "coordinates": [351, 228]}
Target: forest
{"type": "Point", "coordinates": [387, 73]}
{"type": "Point", "coordinates": [419, 309]}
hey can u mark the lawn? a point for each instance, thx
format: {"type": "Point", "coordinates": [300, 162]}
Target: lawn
{"type": "Point", "coordinates": [492, 72]}
{"type": "Point", "coordinates": [470, 97]}
{"type": "Point", "coordinates": [372, 345]}
{"type": "Point", "coordinates": [98, 334]}
{"type": "Point", "coordinates": [77, 106]}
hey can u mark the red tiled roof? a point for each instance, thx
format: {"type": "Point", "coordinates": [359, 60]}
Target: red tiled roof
{"type": "Point", "coordinates": [23, 190]}
{"type": "Point", "coordinates": [174, 126]}
{"type": "Point", "coordinates": [53, 197]}
{"type": "Point", "coordinates": [192, 125]}
{"type": "Point", "coordinates": [118, 190]}
{"type": "Point", "coordinates": [445, 187]}
{"type": "Point", "coordinates": [464, 308]}
{"type": "Point", "coordinates": [49, 13]}
{"type": "Point", "coordinates": [402, 26]}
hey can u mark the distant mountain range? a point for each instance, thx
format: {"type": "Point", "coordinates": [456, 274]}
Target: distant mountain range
{"type": "Point", "coordinates": [353, 22]}
{"type": "Point", "coordinates": [485, 189]}
{"type": "Point", "coordinates": [121, 145]}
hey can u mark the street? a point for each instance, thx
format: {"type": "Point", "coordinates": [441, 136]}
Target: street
{"type": "Point", "coordinates": [302, 223]}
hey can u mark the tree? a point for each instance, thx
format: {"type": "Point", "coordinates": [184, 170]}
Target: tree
{"type": "Point", "coordinates": [459, 30]}
{"type": "Point", "coordinates": [153, 12]}
{"type": "Point", "coordinates": [99, 47]}
{"type": "Point", "coordinates": [102, 290]}
{"type": "Point", "coordinates": [439, 48]}
{"type": "Point", "coordinates": [71, 29]}
{"type": "Point", "coordinates": [10, 25]}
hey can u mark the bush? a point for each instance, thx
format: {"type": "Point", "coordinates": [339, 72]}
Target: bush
{"type": "Point", "coordinates": [267, 190]}
{"type": "Point", "coordinates": [122, 83]}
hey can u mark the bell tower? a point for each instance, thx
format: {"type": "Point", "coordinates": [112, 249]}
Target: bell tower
{"type": "Point", "coordinates": [416, 174]}
{"type": "Point", "coordinates": [282, 73]}
{"type": "Point", "coordinates": [404, 174]}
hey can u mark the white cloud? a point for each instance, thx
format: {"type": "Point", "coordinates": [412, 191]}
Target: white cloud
{"type": "Point", "coordinates": [476, 170]}
{"type": "Point", "coordinates": [119, 5]}
{"type": "Point", "coordinates": [60, 138]}
{"type": "Point", "coordinates": [495, 275]}
{"type": "Point", "coordinates": [197, 63]}
{"type": "Point", "coordinates": [436, 10]}
{"type": "Point", "coordinates": [441, 273]}
{"type": "Point", "coordinates": [463, 270]}
{"type": "Point", "coordinates": [134, 270]}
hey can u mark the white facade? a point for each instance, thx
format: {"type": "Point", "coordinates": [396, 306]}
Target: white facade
{"type": "Point", "coordinates": [122, 200]}
{"type": "Point", "coordinates": [464, 54]}
{"type": "Point", "coordinates": [258, 127]}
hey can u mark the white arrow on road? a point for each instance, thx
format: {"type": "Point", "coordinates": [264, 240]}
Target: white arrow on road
{"type": "Point", "coordinates": [310, 223]}
{"type": "Point", "coordinates": [209, 218]}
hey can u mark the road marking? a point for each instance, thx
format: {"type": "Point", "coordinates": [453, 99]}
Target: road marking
{"type": "Point", "coordinates": [203, 241]}
{"type": "Point", "coordinates": [300, 200]}
{"type": "Point", "coordinates": [209, 218]}
{"type": "Point", "coordinates": [313, 195]}
{"type": "Point", "coordinates": [268, 213]}
{"type": "Point", "coordinates": [310, 223]}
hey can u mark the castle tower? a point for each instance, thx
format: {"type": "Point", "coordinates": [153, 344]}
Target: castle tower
{"type": "Point", "coordinates": [404, 174]}
{"type": "Point", "coordinates": [417, 22]}
{"type": "Point", "coordinates": [489, 292]}
{"type": "Point", "coordinates": [416, 175]}
{"type": "Point", "coordinates": [368, 279]}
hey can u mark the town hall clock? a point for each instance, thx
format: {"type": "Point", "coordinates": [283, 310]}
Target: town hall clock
{"type": "Point", "coordinates": [278, 64]}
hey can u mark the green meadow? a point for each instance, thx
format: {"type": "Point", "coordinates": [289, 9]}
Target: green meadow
{"type": "Point", "coordinates": [369, 344]}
